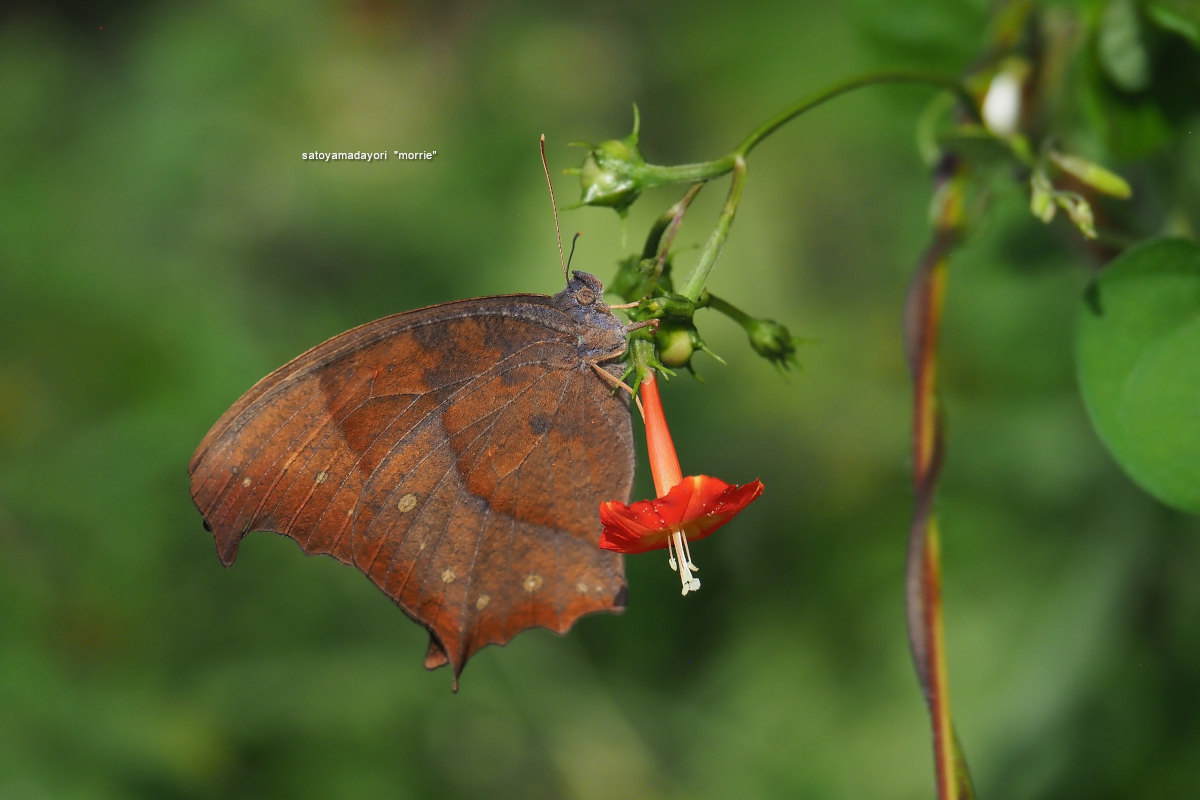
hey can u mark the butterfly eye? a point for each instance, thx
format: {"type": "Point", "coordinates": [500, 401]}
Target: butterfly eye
{"type": "Point", "coordinates": [585, 297]}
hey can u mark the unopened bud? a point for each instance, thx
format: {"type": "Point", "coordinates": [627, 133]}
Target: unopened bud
{"type": "Point", "coordinates": [1080, 213]}
{"type": "Point", "coordinates": [1041, 198]}
{"type": "Point", "coordinates": [772, 341]}
{"type": "Point", "coordinates": [677, 342]}
{"type": "Point", "coordinates": [1094, 175]}
{"type": "Point", "coordinates": [611, 172]}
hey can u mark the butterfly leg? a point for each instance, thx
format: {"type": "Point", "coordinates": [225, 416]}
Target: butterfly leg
{"type": "Point", "coordinates": [617, 383]}
{"type": "Point", "coordinates": [646, 323]}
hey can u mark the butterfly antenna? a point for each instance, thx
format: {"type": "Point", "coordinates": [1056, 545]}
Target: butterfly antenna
{"type": "Point", "coordinates": [571, 255]}
{"type": "Point", "coordinates": [554, 208]}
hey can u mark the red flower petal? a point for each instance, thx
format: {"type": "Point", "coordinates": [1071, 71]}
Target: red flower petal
{"type": "Point", "coordinates": [699, 504]}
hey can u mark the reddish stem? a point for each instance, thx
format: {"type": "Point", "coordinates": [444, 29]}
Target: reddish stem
{"type": "Point", "coordinates": [923, 315]}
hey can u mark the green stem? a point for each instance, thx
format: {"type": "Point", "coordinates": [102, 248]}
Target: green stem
{"type": "Point", "coordinates": [870, 79]}
{"type": "Point", "coordinates": [716, 241]}
{"type": "Point", "coordinates": [723, 306]}
{"type": "Point", "coordinates": [662, 233]}
{"type": "Point", "coordinates": [654, 175]}
{"type": "Point", "coordinates": [642, 360]}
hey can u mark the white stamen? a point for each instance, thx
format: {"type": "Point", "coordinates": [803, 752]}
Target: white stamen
{"type": "Point", "coordinates": [684, 564]}
{"type": "Point", "coordinates": [687, 555]}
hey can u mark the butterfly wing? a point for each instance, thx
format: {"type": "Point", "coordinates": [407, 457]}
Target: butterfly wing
{"type": "Point", "coordinates": [457, 455]}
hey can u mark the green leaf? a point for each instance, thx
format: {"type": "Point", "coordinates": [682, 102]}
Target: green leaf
{"type": "Point", "coordinates": [1119, 45]}
{"type": "Point", "coordinates": [1179, 16]}
{"type": "Point", "coordinates": [1138, 351]}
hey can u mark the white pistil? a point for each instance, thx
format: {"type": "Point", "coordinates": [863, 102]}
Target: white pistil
{"type": "Point", "coordinates": [684, 562]}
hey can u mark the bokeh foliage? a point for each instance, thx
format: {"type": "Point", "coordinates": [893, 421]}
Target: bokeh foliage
{"type": "Point", "coordinates": [164, 246]}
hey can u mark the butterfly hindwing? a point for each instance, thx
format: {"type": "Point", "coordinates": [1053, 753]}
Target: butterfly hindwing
{"type": "Point", "coordinates": [457, 455]}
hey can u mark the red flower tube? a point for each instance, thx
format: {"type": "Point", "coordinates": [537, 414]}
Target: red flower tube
{"type": "Point", "coordinates": [686, 509]}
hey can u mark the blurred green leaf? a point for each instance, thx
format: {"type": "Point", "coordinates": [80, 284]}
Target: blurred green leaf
{"type": "Point", "coordinates": [1139, 366]}
{"type": "Point", "coordinates": [1120, 46]}
{"type": "Point", "coordinates": [1180, 16]}
{"type": "Point", "coordinates": [164, 246]}
{"type": "Point", "coordinates": [1129, 126]}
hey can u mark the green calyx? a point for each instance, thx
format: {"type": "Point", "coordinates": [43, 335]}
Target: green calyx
{"type": "Point", "coordinates": [773, 341]}
{"type": "Point", "coordinates": [611, 174]}
{"type": "Point", "coordinates": [667, 307]}
{"type": "Point", "coordinates": [638, 277]}
{"type": "Point", "coordinates": [770, 339]}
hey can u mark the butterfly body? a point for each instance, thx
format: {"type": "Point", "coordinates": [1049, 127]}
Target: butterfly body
{"type": "Point", "coordinates": [456, 455]}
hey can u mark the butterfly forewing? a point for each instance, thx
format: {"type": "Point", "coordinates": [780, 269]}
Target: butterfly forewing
{"type": "Point", "coordinates": [457, 455]}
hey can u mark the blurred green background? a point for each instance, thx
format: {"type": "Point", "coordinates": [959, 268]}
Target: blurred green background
{"type": "Point", "coordinates": [163, 245]}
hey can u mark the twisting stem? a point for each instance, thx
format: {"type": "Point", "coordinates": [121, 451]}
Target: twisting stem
{"type": "Point", "coordinates": [923, 598]}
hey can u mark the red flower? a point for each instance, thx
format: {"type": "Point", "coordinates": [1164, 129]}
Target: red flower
{"type": "Point", "coordinates": [686, 509]}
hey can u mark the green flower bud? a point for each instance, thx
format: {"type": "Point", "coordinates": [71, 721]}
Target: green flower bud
{"type": "Point", "coordinates": [676, 342]}
{"type": "Point", "coordinates": [1094, 175]}
{"type": "Point", "coordinates": [611, 172]}
{"type": "Point", "coordinates": [639, 277]}
{"type": "Point", "coordinates": [1079, 211]}
{"type": "Point", "coordinates": [608, 176]}
{"type": "Point", "coordinates": [1041, 197]}
{"type": "Point", "coordinates": [1045, 200]}
{"type": "Point", "coordinates": [772, 341]}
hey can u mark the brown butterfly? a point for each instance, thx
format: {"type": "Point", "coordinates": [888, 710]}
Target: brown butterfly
{"type": "Point", "coordinates": [456, 454]}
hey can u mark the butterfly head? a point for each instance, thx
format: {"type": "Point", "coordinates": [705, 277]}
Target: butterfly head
{"type": "Point", "coordinates": [586, 289]}
{"type": "Point", "coordinates": [602, 335]}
